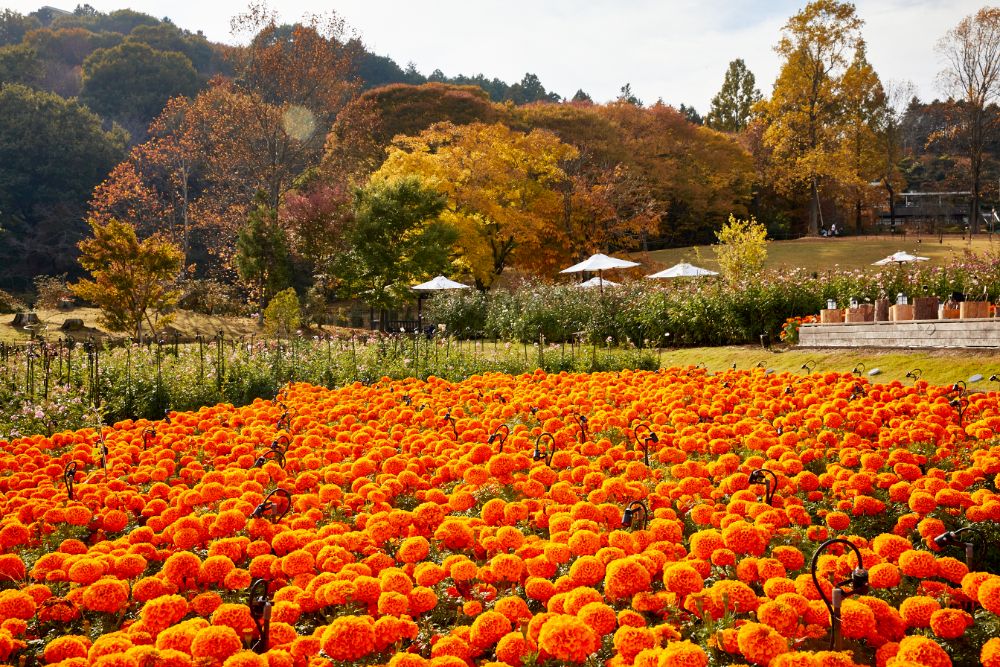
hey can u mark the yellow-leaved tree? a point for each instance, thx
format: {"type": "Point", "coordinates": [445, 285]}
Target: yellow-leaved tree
{"type": "Point", "coordinates": [504, 191]}
{"type": "Point", "coordinates": [742, 249]}
{"type": "Point", "coordinates": [132, 281]}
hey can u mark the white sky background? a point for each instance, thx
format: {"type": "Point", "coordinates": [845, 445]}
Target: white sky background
{"type": "Point", "coordinates": [677, 50]}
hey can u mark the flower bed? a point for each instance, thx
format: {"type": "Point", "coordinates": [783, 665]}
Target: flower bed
{"type": "Point", "coordinates": [383, 524]}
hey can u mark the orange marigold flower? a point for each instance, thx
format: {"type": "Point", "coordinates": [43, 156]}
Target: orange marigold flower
{"type": "Point", "coordinates": [920, 564]}
{"type": "Point", "coordinates": [487, 629]}
{"type": "Point", "coordinates": [950, 623]}
{"type": "Point", "coordinates": [682, 579]}
{"type": "Point", "coordinates": [181, 568]}
{"type": "Point", "coordinates": [683, 654]}
{"type": "Point", "coordinates": [245, 659]}
{"type": "Point", "coordinates": [921, 651]}
{"type": "Point", "coordinates": [63, 648]}
{"type": "Point", "coordinates": [512, 648]}
{"type": "Point", "coordinates": [625, 577]}
{"type": "Point", "coordinates": [567, 638]}
{"type": "Point", "coordinates": [106, 595]}
{"type": "Point", "coordinates": [856, 619]}
{"type": "Point", "coordinates": [216, 642]}
{"type": "Point", "coordinates": [990, 654]}
{"type": "Point", "coordinates": [917, 610]}
{"type": "Point", "coordinates": [16, 604]}
{"type": "Point", "coordinates": [759, 644]}
{"type": "Point", "coordinates": [629, 641]}
{"type": "Point", "coordinates": [349, 638]}
{"type": "Point", "coordinates": [989, 594]}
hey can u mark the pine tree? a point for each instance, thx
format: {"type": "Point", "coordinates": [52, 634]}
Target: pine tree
{"type": "Point", "coordinates": [732, 105]}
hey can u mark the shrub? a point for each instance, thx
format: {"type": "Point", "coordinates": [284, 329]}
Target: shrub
{"type": "Point", "coordinates": [50, 291]}
{"type": "Point", "coordinates": [10, 303]}
{"type": "Point", "coordinates": [283, 315]}
{"type": "Point", "coordinates": [211, 297]}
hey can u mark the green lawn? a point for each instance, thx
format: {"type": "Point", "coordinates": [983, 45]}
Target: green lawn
{"type": "Point", "coordinates": [819, 254]}
{"type": "Point", "coordinates": [938, 366]}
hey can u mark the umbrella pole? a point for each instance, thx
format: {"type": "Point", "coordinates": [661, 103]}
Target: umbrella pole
{"type": "Point", "coordinates": [600, 282]}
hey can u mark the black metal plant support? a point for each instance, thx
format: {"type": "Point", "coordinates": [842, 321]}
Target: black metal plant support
{"type": "Point", "coordinates": [951, 538]}
{"type": "Point", "coordinates": [636, 507]}
{"type": "Point", "coordinates": [69, 478]}
{"type": "Point", "coordinates": [451, 420]}
{"type": "Point", "coordinates": [277, 444]}
{"type": "Point", "coordinates": [277, 455]}
{"type": "Point", "coordinates": [914, 374]}
{"type": "Point", "coordinates": [259, 601]}
{"type": "Point", "coordinates": [146, 435]}
{"type": "Point", "coordinates": [759, 476]}
{"type": "Point", "coordinates": [858, 581]}
{"type": "Point", "coordinates": [581, 421]}
{"type": "Point", "coordinates": [644, 443]}
{"type": "Point", "coordinates": [808, 366]}
{"type": "Point", "coordinates": [859, 368]}
{"type": "Point", "coordinates": [549, 450]}
{"type": "Point", "coordinates": [269, 509]}
{"type": "Point", "coordinates": [857, 392]}
{"type": "Point", "coordinates": [501, 433]}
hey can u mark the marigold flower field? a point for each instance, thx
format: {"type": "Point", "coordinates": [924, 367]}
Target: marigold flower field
{"type": "Point", "coordinates": [514, 521]}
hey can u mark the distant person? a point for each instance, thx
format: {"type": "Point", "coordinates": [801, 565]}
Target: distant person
{"type": "Point", "coordinates": [833, 229]}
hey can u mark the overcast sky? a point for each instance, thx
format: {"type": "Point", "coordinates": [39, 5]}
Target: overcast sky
{"type": "Point", "coordinates": [677, 50]}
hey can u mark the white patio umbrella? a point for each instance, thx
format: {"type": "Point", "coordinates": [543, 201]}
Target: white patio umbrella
{"type": "Point", "coordinates": [900, 258]}
{"type": "Point", "coordinates": [683, 270]}
{"type": "Point", "coordinates": [600, 263]}
{"type": "Point", "coordinates": [597, 282]}
{"type": "Point", "coordinates": [439, 283]}
{"type": "Point", "coordinates": [434, 285]}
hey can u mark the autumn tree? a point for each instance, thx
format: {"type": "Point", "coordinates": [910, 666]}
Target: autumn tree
{"type": "Point", "coordinates": [396, 239]}
{"type": "Point", "coordinates": [315, 215]}
{"type": "Point", "coordinates": [804, 113]}
{"type": "Point", "coordinates": [133, 282]}
{"type": "Point", "coordinates": [731, 107]}
{"type": "Point", "coordinates": [971, 52]}
{"type": "Point", "coordinates": [502, 188]}
{"type": "Point", "coordinates": [863, 105]}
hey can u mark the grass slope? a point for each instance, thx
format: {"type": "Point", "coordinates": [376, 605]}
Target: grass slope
{"type": "Point", "coordinates": [938, 366]}
{"type": "Point", "coordinates": [821, 254]}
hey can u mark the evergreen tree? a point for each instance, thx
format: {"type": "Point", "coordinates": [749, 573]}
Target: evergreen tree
{"type": "Point", "coordinates": [262, 257]}
{"type": "Point", "coordinates": [731, 106]}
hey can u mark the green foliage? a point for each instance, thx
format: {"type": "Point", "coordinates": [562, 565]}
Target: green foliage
{"type": "Point", "coordinates": [395, 240]}
{"type": "Point", "coordinates": [731, 106]}
{"type": "Point", "coordinates": [132, 82]}
{"type": "Point", "coordinates": [283, 315]}
{"type": "Point", "coordinates": [742, 249]}
{"type": "Point", "coordinates": [19, 64]}
{"type": "Point", "coordinates": [13, 26]}
{"type": "Point", "coordinates": [262, 259]}
{"type": "Point", "coordinates": [210, 297]}
{"type": "Point", "coordinates": [52, 154]}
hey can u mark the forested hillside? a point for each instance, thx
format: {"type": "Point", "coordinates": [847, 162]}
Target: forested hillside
{"type": "Point", "coordinates": [271, 149]}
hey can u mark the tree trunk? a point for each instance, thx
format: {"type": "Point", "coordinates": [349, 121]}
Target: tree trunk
{"type": "Point", "coordinates": [814, 210]}
{"type": "Point", "coordinates": [857, 216]}
{"type": "Point", "coordinates": [892, 205]}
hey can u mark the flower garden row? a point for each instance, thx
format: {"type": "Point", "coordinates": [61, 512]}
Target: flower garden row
{"type": "Point", "coordinates": [653, 519]}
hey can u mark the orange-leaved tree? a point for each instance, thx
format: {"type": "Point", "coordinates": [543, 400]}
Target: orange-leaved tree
{"type": "Point", "coordinates": [133, 282]}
